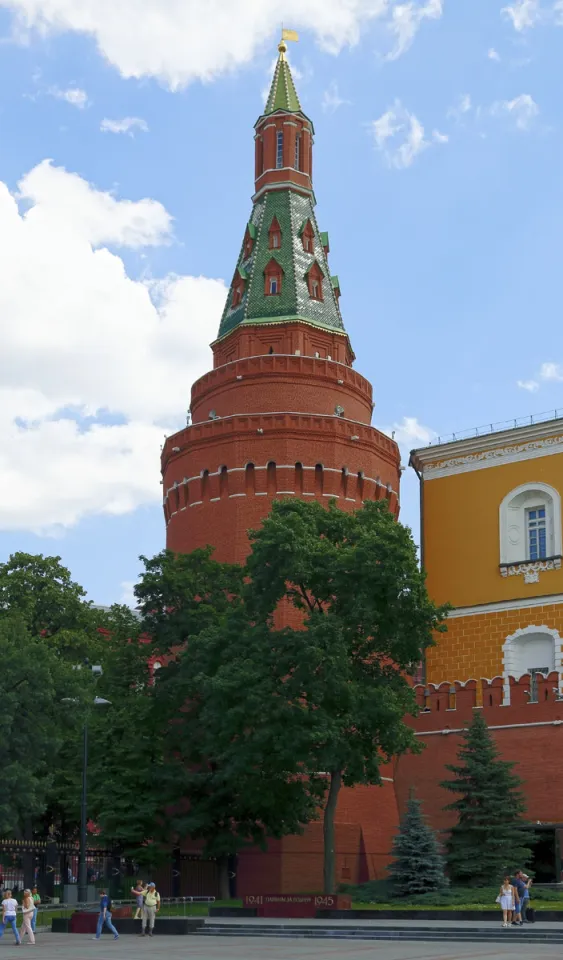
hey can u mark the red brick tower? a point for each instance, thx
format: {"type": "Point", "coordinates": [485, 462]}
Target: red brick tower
{"type": "Point", "coordinates": [282, 413]}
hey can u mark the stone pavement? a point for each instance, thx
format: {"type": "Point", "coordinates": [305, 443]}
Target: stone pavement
{"type": "Point", "coordinates": [51, 946]}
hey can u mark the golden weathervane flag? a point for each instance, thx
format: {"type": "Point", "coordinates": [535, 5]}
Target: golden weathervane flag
{"type": "Point", "coordinates": [290, 35]}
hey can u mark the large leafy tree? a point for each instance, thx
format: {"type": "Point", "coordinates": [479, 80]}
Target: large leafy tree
{"type": "Point", "coordinates": [489, 836]}
{"type": "Point", "coordinates": [417, 866]}
{"type": "Point", "coordinates": [366, 621]}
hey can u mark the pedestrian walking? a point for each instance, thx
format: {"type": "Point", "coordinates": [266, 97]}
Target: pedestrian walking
{"type": "Point", "coordinates": [28, 908]}
{"type": "Point", "coordinates": [150, 909]}
{"type": "Point", "coordinates": [36, 903]}
{"type": "Point", "coordinates": [138, 892]}
{"type": "Point", "coordinates": [525, 902]}
{"type": "Point", "coordinates": [9, 909]}
{"type": "Point", "coordinates": [507, 900]}
{"type": "Point", "coordinates": [105, 917]}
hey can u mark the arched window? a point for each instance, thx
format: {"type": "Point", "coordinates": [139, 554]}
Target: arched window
{"type": "Point", "coordinates": [279, 149]}
{"type": "Point", "coordinates": [205, 485]}
{"type": "Point", "coordinates": [239, 283]}
{"type": "Point", "coordinates": [271, 479]}
{"type": "Point", "coordinates": [530, 524]}
{"type": "Point", "coordinates": [249, 478]}
{"type": "Point", "coordinates": [273, 274]}
{"type": "Point", "coordinates": [319, 479]}
{"type": "Point", "coordinates": [344, 482]}
{"type": "Point", "coordinates": [299, 479]}
{"type": "Point", "coordinates": [533, 650]}
{"type": "Point", "coordinates": [223, 482]}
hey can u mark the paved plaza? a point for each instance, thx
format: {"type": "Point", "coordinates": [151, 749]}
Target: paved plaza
{"type": "Point", "coordinates": [79, 947]}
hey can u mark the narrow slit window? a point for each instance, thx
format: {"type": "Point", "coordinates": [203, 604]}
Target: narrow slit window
{"type": "Point", "coordinates": [297, 163]}
{"type": "Point", "coordinates": [279, 149]}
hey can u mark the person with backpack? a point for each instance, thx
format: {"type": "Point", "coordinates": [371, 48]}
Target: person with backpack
{"type": "Point", "coordinates": [105, 917]}
{"type": "Point", "coordinates": [150, 909]}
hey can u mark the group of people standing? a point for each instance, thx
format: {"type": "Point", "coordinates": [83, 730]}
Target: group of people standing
{"type": "Point", "coordinates": [29, 904]}
{"type": "Point", "coordinates": [514, 899]}
{"type": "Point", "coordinates": [147, 899]}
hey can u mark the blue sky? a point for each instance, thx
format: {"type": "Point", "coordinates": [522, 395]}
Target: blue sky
{"type": "Point", "coordinates": [126, 166]}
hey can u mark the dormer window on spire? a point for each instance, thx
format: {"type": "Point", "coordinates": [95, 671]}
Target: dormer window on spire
{"type": "Point", "coordinates": [273, 274]}
{"type": "Point", "coordinates": [308, 237]}
{"type": "Point", "coordinates": [315, 282]}
{"type": "Point", "coordinates": [274, 235]}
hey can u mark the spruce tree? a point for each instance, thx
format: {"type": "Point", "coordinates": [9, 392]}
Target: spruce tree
{"type": "Point", "coordinates": [418, 866]}
{"type": "Point", "coordinates": [489, 837]}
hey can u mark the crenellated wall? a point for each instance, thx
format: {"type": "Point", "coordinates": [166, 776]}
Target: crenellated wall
{"type": "Point", "coordinates": [528, 730]}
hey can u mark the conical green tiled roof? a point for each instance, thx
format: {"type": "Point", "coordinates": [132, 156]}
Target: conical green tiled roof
{"type": "Point", "coordinates": [292, 210]}
{"type": "Point", "coordinates": [283, 95]}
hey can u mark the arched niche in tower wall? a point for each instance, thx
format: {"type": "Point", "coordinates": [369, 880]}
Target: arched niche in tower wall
{"type": "Point", "coordinates": [531, 650]}
{"type": "Point", "coordinates": [249, 478]}
{"type": "Point", "coordinates": [530, 523]}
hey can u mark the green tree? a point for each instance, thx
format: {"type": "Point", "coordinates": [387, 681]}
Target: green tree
{"type": "Point", "coordinates": [489, 836]}
{"type": "Point", "coordinates": [366, 621]}
{"type": "Point", "coordinates": [417, 866]}
{"type": "Point", "coordinates": [32, 683]}
{"type": "Point", "coordinates": [218, 786]}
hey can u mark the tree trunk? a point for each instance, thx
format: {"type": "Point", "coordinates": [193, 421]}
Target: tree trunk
{"type": "Point", "coordinates": [224, 889]}
{"type": "Point", "coordinates": [328, 831]}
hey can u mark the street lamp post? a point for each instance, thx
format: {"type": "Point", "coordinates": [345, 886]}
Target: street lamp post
{"type": "Point", "coordinates": [82, 869]}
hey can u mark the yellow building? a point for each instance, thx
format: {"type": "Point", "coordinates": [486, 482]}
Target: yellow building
{"type": "Point", "coordinates": [492, 547]}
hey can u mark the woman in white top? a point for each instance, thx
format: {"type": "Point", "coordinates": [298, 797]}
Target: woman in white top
{"type": "Point", "coordinates": [9, 907]}
{"type": "Point", "coordinates": [28, 909]}
{"type": "Point", "coordinates": [507, 899]}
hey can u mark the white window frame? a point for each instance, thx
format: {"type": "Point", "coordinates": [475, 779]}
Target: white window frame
{"type": "Point", "coordinates": [510, 655]}
{"type": "Point", "coordinates": [536, 525]}
{"type": "Point", "coordinates": [279, 149]}
{"type": "Point", "coordinates": [513, 521]}
{"type": "Point", "coordinates": [274, 282]}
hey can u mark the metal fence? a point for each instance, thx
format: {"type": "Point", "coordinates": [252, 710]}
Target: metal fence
{"type": "Point", "coordinates": [52, 867]}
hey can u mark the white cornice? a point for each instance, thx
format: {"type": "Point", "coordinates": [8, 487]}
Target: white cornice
{"type": "Point", "coordinates": [480, 453]}
{"type": "Point", "coordinates": [505, 605]}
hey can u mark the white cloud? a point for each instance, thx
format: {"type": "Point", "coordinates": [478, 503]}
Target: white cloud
{"type": "Point", "coordinates": [406, 19]}
{"type": "Point", "coordinates": [399, 135]}
{"type": "Point", "coordinates": [128, 125]}
{"type": "Point", "coordinates": [410, 433]}
{"type": "Point", "coordinates": [493, 54]}
{"type": "Point", "coordinates": [558, 12]}
{"type": "Point", "coordinates": [128, 597]}
{"type": "Point", "coordinates": [440, 137]}
{"type": "Point", "coordinates": [462, 107]}
{"type": "Point", "coordinates": [523, 109]}
{"type": "Point", "coordinates": [74, 95]}
{"type": "Point", "coordinates": [530, 385]}
{"type": "Point", "coordinates": [80, 338]}
{"type": "Point", "coordinates": [551, 371]}
{"type": "Point", "coordinates": [178, 41]}
{"type": "Point", "coordinates": [522, 13]}
{"type": "Point", "coordinates": [332, 100]}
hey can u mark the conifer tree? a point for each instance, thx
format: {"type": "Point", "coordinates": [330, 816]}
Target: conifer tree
{"type": "Point", "coordinates": [418, 866]}
{"type": "Point", "coordinates": [489, 836]}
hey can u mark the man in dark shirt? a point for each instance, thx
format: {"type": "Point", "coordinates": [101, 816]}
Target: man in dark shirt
{"type": "Point", "coordinates": [521, 891]}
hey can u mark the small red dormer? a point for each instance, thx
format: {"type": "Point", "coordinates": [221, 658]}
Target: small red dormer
{"type": "Point", "coordinates": [274, 235]}
{"type": "Point", "coordinates": [308, 237]}
{"type": "Point", "coordinates": [239, 286]}
{"type": "Point", "coordinates": [273, 275]}
{"type": "Point", "coordinates": [315, 279]}
{"type": "Point", "coordinates": [248, 243]}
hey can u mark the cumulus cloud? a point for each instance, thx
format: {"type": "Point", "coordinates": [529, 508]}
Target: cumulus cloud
{"type": "Point", "coordinates": [410, 433]}
{"type": "Point", "coordinates": [128, 125]}
{"type": "Point", "coordinates": [399, 136]}
{"type": "Point", "coordinates": [461, 108]}
{"type": "Point", "coordinates": [493, 54]}
{"type": "Point", "coordinates": [74, 95]}
{"type": "Point", "coordinates": [530, 385]}
{"type": "Point", "coordinates": [406, 19]}
{"type": "Point", "coordinates": [332, 100]}
{"type": "Point", "coordinates": [95, 365]}
{"type": "Point", "coordinates": [522, 109]}
{"type": "Point", "coordinates": [178, 41]}
{"type": "Point", "coordinates": [523, 14]}
{"type": "Point", "coordinates": [551, 371]}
